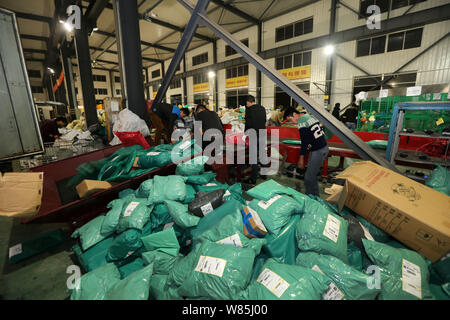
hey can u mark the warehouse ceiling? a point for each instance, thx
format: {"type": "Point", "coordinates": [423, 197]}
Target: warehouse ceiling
{"type": "Point", "coordinates": [160, 31]}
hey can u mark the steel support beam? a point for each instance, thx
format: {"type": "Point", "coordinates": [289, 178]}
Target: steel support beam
{"type": "Point", "coordinates": [185, 40]}
{"type": "Point", "coordinates": [112, 83]}
{"type": "Point", "coordinates": [330, 58]}
{"type": "Point", "coordinates": [66, 63]}
{"type": "Point", "coordinates": [30, 50]}
{"type": "Point", "coordinates": [314, 108]}
{"type": "Point", "coordinates": [185, 97]}
{"type": "Point", "coordinates": [33, 37]}
{"type": "Point", "coordinates": [31, 16]}
{"type": "Point", "coordinates": [85, 71]}
{"type": "Point", "coordinates": [93, 12]}
{"type": "Point", "coordinates": [258, 72]}
{"type": "Point", "coordinates": [236, 11]}
{"type": "Point", "coordinates": [351, 9]}
{"type": "Point", "coordinates": [130, 57]}
{"type": "Point", "coordinates": [216, 82]}
{"type": "Point", "coordinates": [147, 89]}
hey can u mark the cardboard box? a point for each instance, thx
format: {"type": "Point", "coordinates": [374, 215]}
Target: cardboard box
{"type": "Point", "coordinates": [412, 213]}
{"type": "Point", "coordinates": [253, 225]}
{"type": "Point", "coordinates": [21, 194]}
{"type": "Point", "coordinates": [88, 187]}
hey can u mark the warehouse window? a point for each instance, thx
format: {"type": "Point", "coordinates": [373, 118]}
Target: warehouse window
{"type": "Point", "coordinates": [99, 77]}
{"type": "Point", "coordinates": [199, 59]}
{"type": "Point", "coordinates": [385, 5]}
{"type": "Point", "coordinates": [117, 79]}
{"type": "Point", "coordinates": [294, 29]}
{"type": "Point", "coordinates": [37, 89]}
{"type": "Point", "coordinates": [229, 51]}
{"type": "Point", "coordinates": [293, 60]}
{"type": "Point", "coordinates": [176, 83]}
{"type": "Point", "coordinates": [236, 98]}
{"type": "Point", "coordinates": [101, 91]}
{"type": "Point", "coordinates": [403, 3]}
{"type": "Point", "coordinates": [34, 73]}
{"type": "Point", "coordinates": [366, 84]}
{"type": "Point", "coordinates": [118, 92]}
{"type": "Point", "coordinates": [201, 98]}
{"type": "Point", "coordinates": [156, 73]}
{"type": "Point", "coordinates": [401, 80]}
{"type": "Point", "coordinates": [285, 100]}
{"type": "Point", "coordinates": [237, 71]}
{"type": "Point", "coordinates": [200, 78]}
{"type": "Point", "coordinates": [391, 81]}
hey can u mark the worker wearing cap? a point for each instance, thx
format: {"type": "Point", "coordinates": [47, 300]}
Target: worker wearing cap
{"type": "Point", "coordinates": [163, 117]}
{"type": "Point", "coordinates": [313, 139]}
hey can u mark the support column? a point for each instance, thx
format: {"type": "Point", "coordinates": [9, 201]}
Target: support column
{"type": "Point", "coordinates": [112, 82]}
{"type": "Point", "coordinates": [185, 97]}
{"type": "Point", "coordinates": [216, 81]}
{"type": "Point", "coordinates": [130, 58]}
{"type": "Point", "coordinates": [85, 70]}
{"type": "Point", "coordinates": [147, 88]}
{"type": "Point", "coordinates": [258, 73]}
{"type": "Point", "coordinates": [330, 58]}
{"type": "Point", "coordinates": [68, 79]}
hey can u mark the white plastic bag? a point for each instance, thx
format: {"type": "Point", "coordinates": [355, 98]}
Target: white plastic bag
{"type": "Point", "coordinates": [129, 121]}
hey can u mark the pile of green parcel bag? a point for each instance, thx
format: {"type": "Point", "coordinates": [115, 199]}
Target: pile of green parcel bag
{"type": "Point", "coordinates": [149, 246]}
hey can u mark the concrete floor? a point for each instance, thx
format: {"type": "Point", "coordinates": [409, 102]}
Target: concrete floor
{"type": "Point", "coordinates": [44, 276]}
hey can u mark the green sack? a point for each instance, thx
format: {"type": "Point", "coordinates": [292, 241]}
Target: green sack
{"type": "Point", "coordinates": [135, 214]}
{"type": "Point", "coordinates": [192, 167]}
{"type": "Point", "coordinates": [276, 212]}
{"type": "Point", "coordinates": [201, 179]}
{"type": "Point", "coordinates": [439, 292]}
{"type": "Point", "coordinates": [291, 141]}
{"type": "Point", "coordinates": [126, 193]}
{"type": "Point", "coordinates": [133, 174]}
{"type": "Point", "coordinates": [351, 284]}
{"type": "Point", "coordinates": [162, 261]}
{"type": "Point", "coordinates": [144, 189]}
{"type": "Point", "coordinates": [190, 194]}
{"type": "Point", "coordinates": [162, 147]}
{"type": "Point", "coordinates": [95, 285]}
{"type": "Point", "coordinates": [159, 290]}
{"type": "Point", "coordinates": [267, 190]}
{"type": "Point", "coordinates": [95, 256]}
{"type": "Point", "coordinates": [124, 245]}
{"type": "Point", "coordinates": [235, 192]}
{"type": "Point", "coordinates": [160, 216]}
{"type": "Point", "coordinates": [182, 267]}
{"type": "Point", "coordinates": [260, 260]}
{"type": "Point", "coordinates": [322, 231]}
{"type": "Point", "coordinates": [167, 188]}
{"type": "Point", "coordinates": [439, 179]}
{"type": "Point", "coordinates": [180, 214]}
{"type": "Point", "coordinates": [166, 239]}
{"type": "Point", "coordinates": [154, 159]}
{"type": "Point", "coordinates": [283, 248]}
{"type": "Point", "coordinates": [378, 144]}
{"type": "Point", "coordinates": [279, 281]}
{"type": "Point", "coordinates": [119, 165]}
{"type": "Point", "coordinates": [395, 265]}
{"type": "Point", "coordinates": [211, 186]}
{"type": "Point", "coordinates": [147, 229]}
{"type": "Point", "coordinates": [134, 287]}
{"type": "Point", "coordinates": [185, 149]}
{"type": "Point", "coordinates": [90, 233]}
{"type": "Point", "coordinates": [219, 272]}
{"type": "Point", "coordinates": [355, 256]}
{"type": "Point", "coordinates": [442, 269]}
{"type": "Point", "coordinates": [129, 268]}
{"type": "Point", "coordinates": [111, 221]}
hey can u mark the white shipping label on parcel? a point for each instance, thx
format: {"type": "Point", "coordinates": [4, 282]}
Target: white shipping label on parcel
{"type": "Point", "coordinates": [234, 240]}
{"type": "Point", "coordinates": [153, 153]}
{"type": "Point", "coordinates": [332, 227]}
{"type": "Point", "coordinates": [333, 293]}
{"type": "Point", "coordinates": [15, 250]}
{"type": "Point", "coordinates": [227, 194]}
{"type": "Point", "coordinates": [210, 184]}
{"type": "Point", "coordinates": [211, 265]}
{"type": "Point", "coordinates": [266, 204]}
{"type": "Point", "coordinates": [130, 208]}
{"type": "Point", "coordinates": [207, 208]}
{"type": "Point", "coordinates": [257, 219]}
{"type": "Point", "coordinates": [273, 282]}
{"type": "Point", "coordinates": [411, 278]}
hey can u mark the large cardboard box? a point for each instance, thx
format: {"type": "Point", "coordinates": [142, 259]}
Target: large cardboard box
{"type": "Point", "coordinates": [412, 213]}
{"type": "Point", "coordinates": [87, 187]}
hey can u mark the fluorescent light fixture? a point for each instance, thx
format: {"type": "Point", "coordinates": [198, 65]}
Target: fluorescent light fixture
{"type": "Point", "coordinates": [51, 70]}
{"type": "Point", "coordinates": [95, 29]}
{"type": "Point", "coordinates": [211, 74]}
{"type": "Point", "coordinates": [329, 49]}
{"type": "Point", "coordinates": [61, 21]}
{"type": "Point", "coordinates": [68, 26]}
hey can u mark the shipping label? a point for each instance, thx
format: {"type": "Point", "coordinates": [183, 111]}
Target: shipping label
{"type": "Point", "coordinates": [273, 282]}
{"type": "Point", "coordinates": [130, 208]}
{"type": "Point", "coordinates": [411, 278]}
{"type": "Point", "coordinates": [234, 240]}
{"type": "Point", "coordinates": [333, 293]}
{"type": "Point", "coordinates": [207, 208]}
{"type": "Point", "coordinates": [15, 250]}
{"type": "Point", "coordinates": [210, 184]}
{"type": "Point", "coordinates": [332, 227]}
{"type": "Point", "coordinates": [266, 204]}
{"type": "Point", "coordinates": [153, 153]}
{"type": "Point", "coordinates": [227, 194]}
{"type": "Point", "coordinates": [211, 265]}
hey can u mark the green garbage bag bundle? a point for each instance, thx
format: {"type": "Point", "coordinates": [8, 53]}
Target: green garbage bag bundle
{"type": "Point", "coordinates": [129, 268]}
{"type": "Point", "coordinates": [322, 231]}
{"type": "Point", "coordinates": [118, 166]}
{"type": "Point", "coordinates": [201, 179]}
{"type": "Point", "coordinates": [218, 272]}
{"type": "Point", "coordinates": [124, 245]}
{"type": "Point", "coordinates": [90, 233]}
{"type": "Point", "coordinates": [135, 214]}
{"type": "Point", "coordinates": [211, 186]}
{"type": "Point", "coordinates": [144, 189]}
{"type": "Point", "coordinates": [267, 190]}
{"type": "Point", "coordinates": [126, 193]}
{"type": "Point", "coordinates": [153, 159]}
{"type": "Point", "coordinates": [283, 247]}
{"type": "Point", "coordinates": [190, 194]}
{"type": "Point", "coordinates": [180, 214]}
{"type": "Point", "coordinates": [159, 290]}
{"type": "Point", "coordinates": [278, 281]}
{"type": "Point", "coordinates": [235, 192]}
{"type": "Point", "coordinates": [184, 149]}
{"type": "Point", "coordinates": [348, 283]}
{"type": "Point", "coordinates": [404, 273]}
{"type": "Point", "coordinates": [167, 188]}
{"type": "Point", "coordinates": [378, 144]}
{"type": "Point", "coordinates": [95, 285]}
{"type": "Point", "coordinates": [134, 287]}
{"type": "Point", "coordinates": [276, 212]}
{"type": "Point", "coordinates": [439, 180]}
{"type": "Point", "coordinates": [95, 256]}
{"type": "Point", "coordinates": [162, 261]}
{"type": "Point", "coordinates": [160, 216]}
{"type": "Point", "coordinates": [112, 218]}
{"type": "Point", "coordinates": [192, 167]}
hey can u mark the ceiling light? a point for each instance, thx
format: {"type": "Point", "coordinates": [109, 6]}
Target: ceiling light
{"type": "Point", "coordinates": [329, 49]}
{"type": "Point", "coordinates": [211, 74]}
{"type": "Point", "coordinates": [51, 70]}
{"type": "Point", "coordinates": [61, 21]}
{"type": "Point", "coordinates": [68, 26]}
{"type": "Point", "coordinates": [95, 29]}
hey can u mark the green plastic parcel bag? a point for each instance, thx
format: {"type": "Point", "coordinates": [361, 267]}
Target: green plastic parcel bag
{"type": "Point", "coordinates": [190, 194]}
{"type": "Point", "coordinates": [129, 268]}
{"type": "Point", "coordinates": [162, 262]}
{"type": "Point", "coordinates": [135, 214]}
{"type": "Point", "coordinates": [160, 216]}
{"type": "Point", "coordinates": [322, 231]}
{"type": "Point", "coordinates": [276, 212]}
{"type": "Point", "coordinates": [219, 272]}
{"type": "Point", "coordinates": [167, 188]}
{"type": "Point", "coordinates": [144, 189]}
{"type": "Point", "coordinates": [192, 167]}
{"type": "Point", "coordinates": [378, 144]}
{"type": "Point", "coordinates": [159, 290]}
{"type": "Point", "coordinates": [182, 267]}
{"type": "Point", "coordinates": [283, 248]}
{"type": "Point", "coordinates": [404, 273]}
{"type": "Point", "coordinates": [350, 283]}
{"type": "Point", "coordinates": [111, 221]}
{"type": "Point", "coordinates": [235, 192]}
{"type": "Point", "coordinates": [95, 285]}
{"type": "Point", "coordinates": [124, 245]}
{"type": "Point", "coordinates": [201, 179]}
{"type": "Point", "coordinates": [154, 159]}
{"type": "Point", "coordinates": [166, 239]}
{"type": "Point", "coordinates": [267, 190]}
{"type": "Point", "coordinates": [125, 193]}
{"type": "Point", "coordinates": [278, 281]}
{"type": "Point", "coordinates": [211, 186]}
{"type": "Point", "coordinates": [439, 180]}
{"type": "Point", "coordinates": [134, 287]}
{"type": "Point", "coordinates": [90, 233]}
{"type": "Point", "coordinates": [95, 256]}
{"type": "Point", "coordinates": [180, 214]}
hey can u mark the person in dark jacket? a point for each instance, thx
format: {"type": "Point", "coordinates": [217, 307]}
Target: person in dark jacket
{"type": "Point", "coordinates": [49, 129]}
{"type": "Point", "coordinates": [336, 110]}
{"type": "Point", "coordinates": [209, 120]}
{"type": "Point", "coordinates": [350, 117]}
{"type": "Point", "coordinates": [255, 118]}
{"type": "Point", "coordinates": [163, 117]}
{"type": "Point", "coordinates": [313, 140]}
